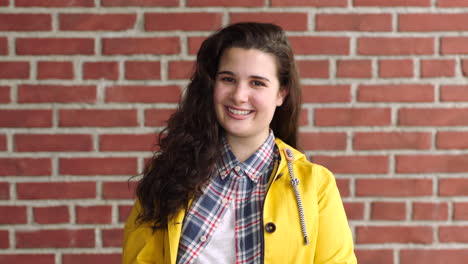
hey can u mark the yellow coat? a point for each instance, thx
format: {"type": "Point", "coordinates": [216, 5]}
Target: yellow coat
{"type": "Point", "coordinates": [327, 228]}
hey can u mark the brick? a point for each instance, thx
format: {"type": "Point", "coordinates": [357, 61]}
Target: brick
{"type": "Point", "coordinates": [98, 118]}
{"type": "Point", "coordinates": [202, 21]}
{"type": "Point", "coordinates": [55, 46]}
{"type": "Point", "coordinates": [387, 46]}
{"type": "Point", "coordinates": [5, 94]}
{"type": "Point", "coordinates": [97, 22]}
{"type": "Point", "coordinates": [452, 140]}
{"type": "Point", "coordinates": [180, 69]}
{"type": "Point", "coordinates": [353, 164]}
{"type": "Point", "coordinates": [25, 167]}
{"type": "Point", "coordinates": [28, 258]}
{"type": "Point", "coordinates": [124, 212]}
{"type": "Point", "coordinates": [51, 215]}
{"type": "Point", "coordinates": [61, 238]}
{"type": "Point", "coordinates": [194, 44]}
{"type": "Point", "coordinates": [132, 46]}
{"type": "Point", "coordinates": [287, 20]}
{"type": "Point", "coordinates": [112, 237]}
{"type": "Point", "coordinates": [56, 190]}
{"type": "Point", "coordinates": [225, 3]}
{"type": "Point", "coordinates": [313, 68]}
{"type": "Point", "coordinates": [25, 118]}
{"type": "Point", "coordinates": [3, 46]}
{"type": "Point", "coordinates": [4, 2]}
{"type": "Point", "coordinates": [372, 256]}
{"type": "Point", "coordinates": [354, 69]}
{"type": "Point", "coordinates": [54, 3]}
{"type": "Point", "coordinates": [14, 70]}
{"type": "Point", "coordinates": [119, 190]}
{"type": "Point", "coordinates": [433, 117]}
{"type": "Point", "coordinates": [453, 187]}
{"type": "Point", "coordinates": [3, 143]}
{"type": "Point", "coordinates": [91, 258]}
{"type": "Point", "coordinates": [433, 256]}
{"type": "Point", "coordinates": [453, 234]}
{"type": "Point", "coordinates": [52, 142]}
{"type": "Point", "coordinates": [352, 117]}
{"type": "Point", "coordinates": [311, 3]}
{"type": "Point", "coordinates": [392, 211]}
{"type": "Point", "coordinates": [399, 68]}
{"type": "Point", "coordinates": [353, 22]}
{"type": "Point", "coordinates": [453, 45]}
{"type": "Point", "coordinates": [157, 117]}
{"type": "Point", "coordinates": [143, 94]}
{"type": "Point", "coordinates": [454, 93]}
{"type": "Point", "coordinates": [437, 68]}
{"type": "Point", "coordinates": [396, 93]}
{"type": "Point", "coordinates": [55, 70]}
{"type": "Point", "coordinates": [430, 211]}
{"type": "Point", "coordinates": [143, 70]}
{"type": "Point", "coordinates": [320, 45]}
{"type": "Point", "coordinates": [394, 234]}
{"type": "Point", "coordinates": [460, 211]}
{"type": "Point", "coordinates": [391, 140]}
{"type": "Point", "coordinates": [127, 142]}
{"type": "Point", "coordinates": [392, 3]}
{"type": "Point", "coordinates": [12, 215]}
{"type": "Point", "coordinates": [344, 187]}
{"type": "Point", "coordinates": [4, 191]}
{"type": "Point", "coordinates": [97, 214]}
{"type": "Point", "coordinates": [30, 93]}
{"type": "Point", "coordinates": [465, 67]}
{"type": "Point", "coordinates": [25, 22]}
{"type": "Point", "coordinates": [432, 22]}
{"type": "Point", "coordinates": [452, 3]}
{"type": "Point", "coordinates": [101, 70]}
{"type": "Point", "coordinates": [165, 3]}
{"type": "Point", "coordinates": [394, 187]}
{"type": "Point", "coordinates": [354, 210]}
{"type": "Point", "coordinates": [326, 93]}
{"type": "Point", "coordinates": [304, 117]}
{"type": "Point", "coordinates": [4, 240]}
{"type": "Point", "coordinates": [322, 140]}
{"type": "Point", "coordinates": [431, 163]}
{"type": "Point", "coordinates": [98, 166]}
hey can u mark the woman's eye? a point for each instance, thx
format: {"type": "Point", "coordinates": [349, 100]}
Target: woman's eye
{"type": "Point", "coordinates": [258, 83]}
{"type": "Point", "coordinates": [227, 79]}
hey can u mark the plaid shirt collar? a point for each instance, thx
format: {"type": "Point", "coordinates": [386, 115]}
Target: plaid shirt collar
{"type": "Point", "coordinates": [254, 166]}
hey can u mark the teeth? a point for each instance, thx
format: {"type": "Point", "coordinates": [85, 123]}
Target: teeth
{"type": "Point", "coordinates": [238, 112]}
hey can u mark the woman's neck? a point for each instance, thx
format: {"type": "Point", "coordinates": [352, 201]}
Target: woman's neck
{"type": "Point", "coordinates": [244, 147]}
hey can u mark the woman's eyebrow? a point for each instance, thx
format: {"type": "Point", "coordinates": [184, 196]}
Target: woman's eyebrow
{"type": "Point", "coordinates": [251, 76]}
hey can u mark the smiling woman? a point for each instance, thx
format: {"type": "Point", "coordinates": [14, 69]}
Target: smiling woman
{"type": "Point", "coordinates": [228, 185]}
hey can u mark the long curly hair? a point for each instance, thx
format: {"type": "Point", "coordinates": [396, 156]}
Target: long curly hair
{"type": "Point", "coordinates": [190, 145]}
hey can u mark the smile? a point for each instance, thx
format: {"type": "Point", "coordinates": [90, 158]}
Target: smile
{"type": "Point", "coordinates": [238, 112]}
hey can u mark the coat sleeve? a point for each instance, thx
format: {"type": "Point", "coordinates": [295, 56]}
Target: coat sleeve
{"type": "Point", "coordinates": [141, 245]}
{"type": "Point", "coordinates": [334, 241]}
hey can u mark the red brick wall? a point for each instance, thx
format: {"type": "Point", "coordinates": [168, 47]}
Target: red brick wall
{"type": "Point", "coordinates": [85, 85]}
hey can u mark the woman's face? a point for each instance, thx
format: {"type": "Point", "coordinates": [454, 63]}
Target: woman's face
{"type": "Point", "coordinates": [246, 93]}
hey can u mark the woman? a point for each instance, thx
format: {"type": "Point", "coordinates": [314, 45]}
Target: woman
{"type": "Point", "coordinates": [227, 185]}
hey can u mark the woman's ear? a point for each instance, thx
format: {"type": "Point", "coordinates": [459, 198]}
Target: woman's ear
{"type": "Point", "coordinates": [282, 93]}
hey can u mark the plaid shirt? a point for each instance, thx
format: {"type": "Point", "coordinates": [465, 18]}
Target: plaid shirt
{"type": "Point", "coordinates": [245, 183]}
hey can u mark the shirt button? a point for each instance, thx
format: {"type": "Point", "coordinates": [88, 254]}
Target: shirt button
{"type": "Point", "coordinates": [203, 238]}
{"type": "Point", "coordinates": [237, 168]}
{"type": "Point", "coordinates": [225, 201]}
{"type": "Point", "coordinates": [270, 227]}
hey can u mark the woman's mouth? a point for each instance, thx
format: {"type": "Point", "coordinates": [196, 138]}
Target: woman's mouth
{"type": "Point", "coordinates": [238, 112]}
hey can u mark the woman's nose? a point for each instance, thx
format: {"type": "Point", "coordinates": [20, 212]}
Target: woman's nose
{"type": "Point", "coordinates": [240, 92]}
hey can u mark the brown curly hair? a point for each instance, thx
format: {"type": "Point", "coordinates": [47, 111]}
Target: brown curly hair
{"type": "Point", "coordinates": [190, 144]}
